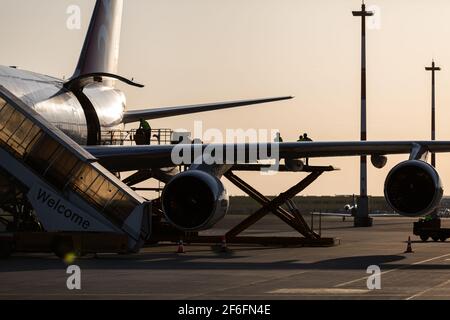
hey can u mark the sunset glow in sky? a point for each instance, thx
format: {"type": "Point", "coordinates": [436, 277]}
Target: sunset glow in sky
{"type": "Point", "coordinates": [196, 51]}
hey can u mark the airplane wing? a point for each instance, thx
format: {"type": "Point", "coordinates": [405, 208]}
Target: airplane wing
{"type": "Point", "coordinates": [129, 158]}
{"type": "Point", "coordinates": [158, 113]}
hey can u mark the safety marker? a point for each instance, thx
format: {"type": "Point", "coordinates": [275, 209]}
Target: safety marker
{"type": "Point", "coordinates": [224, 247]}
{"type": "Point", "coordinates": [181, 249]}
{"type": "Point", "coordinates": [409, 247]}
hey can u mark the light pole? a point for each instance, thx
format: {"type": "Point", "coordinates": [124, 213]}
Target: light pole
{"type": "Point", "coordinates": [362, 218]}
{"type": "Point", "coordinates": [433, 70]}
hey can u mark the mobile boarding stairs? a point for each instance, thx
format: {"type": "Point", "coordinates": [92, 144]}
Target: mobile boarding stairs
{"type": "Point", "coordinates": [69, 191]}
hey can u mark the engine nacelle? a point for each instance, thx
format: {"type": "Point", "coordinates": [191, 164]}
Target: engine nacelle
{"type": "Point", "coordinates": [413, 188]}
{"type": "Point", "coordinates": [379, 162]}
{"type": "Point", "coordinates": [195, 201]}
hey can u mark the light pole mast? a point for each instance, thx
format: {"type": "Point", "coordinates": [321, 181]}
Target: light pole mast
{"type": "Point", "coordinates": [433, 70]}
{"type": "Point", "coordinates": [362, 218]}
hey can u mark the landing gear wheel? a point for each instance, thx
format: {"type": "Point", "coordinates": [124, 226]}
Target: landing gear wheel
{"type": "Point", "coordinates": [424, 238]}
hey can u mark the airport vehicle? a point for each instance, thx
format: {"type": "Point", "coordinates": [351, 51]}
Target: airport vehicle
{"type": "Point", "coordinates": [57, 175]}
{"type": "Point", "coordinates": [426, 229]}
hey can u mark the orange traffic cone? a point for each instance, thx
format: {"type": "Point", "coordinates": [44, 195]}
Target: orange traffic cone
{"type": "Point", "coordinates": [409, 247]}
{"type": "Point", "coordinates": [181, 249]}
{"type": "Point", "coordinates": [224, 247]}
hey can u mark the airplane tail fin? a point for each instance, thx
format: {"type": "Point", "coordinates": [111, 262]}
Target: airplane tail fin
{"type": "Point", "coordinates": [100, 52]}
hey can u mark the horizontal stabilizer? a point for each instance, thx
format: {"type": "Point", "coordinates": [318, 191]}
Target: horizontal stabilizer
{"type": "Point", "coordinates": [135, 116]}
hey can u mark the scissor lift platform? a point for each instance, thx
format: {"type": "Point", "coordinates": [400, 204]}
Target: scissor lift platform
{"type": "Point", "coordinates": [291, 216]}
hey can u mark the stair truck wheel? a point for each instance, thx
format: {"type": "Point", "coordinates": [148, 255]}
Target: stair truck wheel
{"type": "Point", "coordinates": [425, 238]}
{"type": "Point", "coordinates": [443, 238]}
{"type": "Point", "coordinates": [435, 238]}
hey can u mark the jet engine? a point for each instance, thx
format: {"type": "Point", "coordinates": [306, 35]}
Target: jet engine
{"type": "Point", "coordinates": [413, 188]}
{"type": "Point", "coordinates": [195, 201]}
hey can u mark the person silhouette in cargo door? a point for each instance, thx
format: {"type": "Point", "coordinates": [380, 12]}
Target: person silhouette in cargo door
{"type": "Point", "coordinates": [146, 130]}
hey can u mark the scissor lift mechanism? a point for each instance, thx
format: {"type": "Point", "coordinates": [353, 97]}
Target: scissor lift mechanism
{"type": "Point", "coordinates": [307, 237]}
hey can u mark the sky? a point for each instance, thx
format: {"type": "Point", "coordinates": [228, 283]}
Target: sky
{"type": "Point", "coordinates": [198, 51]}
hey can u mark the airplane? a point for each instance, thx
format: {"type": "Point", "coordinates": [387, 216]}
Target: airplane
{"type": "Point", "coordinates": [352, 211]}
{"type": "Point", "coordinates": [88, 104]}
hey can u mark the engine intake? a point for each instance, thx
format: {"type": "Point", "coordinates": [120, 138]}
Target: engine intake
{"type": "Point", "coordinates": [413, 188]}
{"type": "Point", "coordinates": [195, 201]}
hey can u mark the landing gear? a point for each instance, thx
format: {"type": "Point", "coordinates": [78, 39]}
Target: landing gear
{"type": "Point", "coordinates": [282, 207]}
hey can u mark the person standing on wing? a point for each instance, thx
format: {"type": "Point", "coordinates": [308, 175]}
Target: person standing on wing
{"type": "Point", "coordinates": [305, 138]}
{"type": "Point", "coordinates": [147, 129]}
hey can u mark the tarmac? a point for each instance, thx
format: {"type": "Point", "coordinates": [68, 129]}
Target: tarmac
{"type": "Point", "coordinates": [249, 272]}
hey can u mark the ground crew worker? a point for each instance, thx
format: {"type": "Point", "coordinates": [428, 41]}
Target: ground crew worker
{"type": "Point", "coordinates": [305, 138]}
{"type": "Point", "coordinates": [147, 129]}
{"type": "Point", "coordinates": [278, 138]}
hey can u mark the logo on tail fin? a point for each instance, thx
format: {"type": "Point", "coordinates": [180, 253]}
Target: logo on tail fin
{"type": "Point", "coordinates": [101, 48]}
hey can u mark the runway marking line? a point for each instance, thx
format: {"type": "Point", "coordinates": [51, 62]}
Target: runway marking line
{"type": "Point", "coordinates": [428, 290]}
{"type": "Point", "coordinates": [254, 283]}
{"type": "Point", "coordinates": [389, 271]}
{"type": "Point", "coordinates": [320, 291]}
